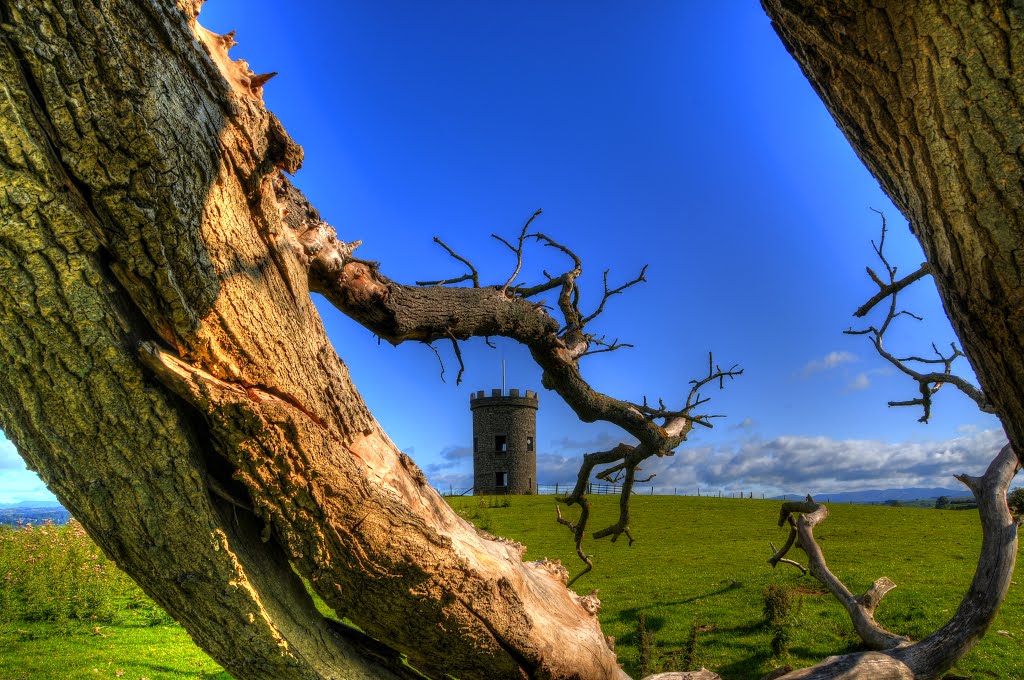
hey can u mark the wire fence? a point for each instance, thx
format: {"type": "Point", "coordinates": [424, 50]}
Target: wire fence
{"type": "Point", "coordinates": [596, 488]}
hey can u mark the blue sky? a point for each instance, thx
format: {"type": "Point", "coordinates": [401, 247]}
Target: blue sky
{"type": "Point", "coordinates": [677, 134]}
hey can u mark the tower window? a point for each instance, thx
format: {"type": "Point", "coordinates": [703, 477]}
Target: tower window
{"type": "Point", "coordinates": [529, 443]}
{"type": "Point", "coordinates": [500, 443]}
{"type": "Point", "coordinates": [476, 444]}
{"type": "Point", "coordinates": [501, 480]}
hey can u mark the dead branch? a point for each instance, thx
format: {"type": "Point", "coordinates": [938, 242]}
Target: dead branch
{"type": "Point", "coordinates": [936, 654]}
{"type": "Point", "coordinates": [780, 555]}
{"type": "Point", "coordinates": [518, 250]}
{"type": "Point", "coordinates": [887, 289]}
{"type": "Point", "coordinates": [807, 514]}
{"type": "Point", "coordinates": [577, 530]}
{"type": "Point", "coordinates": [776, 558]}
{"type": "Point", "coordinates": [605, 346]}
{"type": "Point", "coordinates": [614, 291]}
{"type": "Point", "coordinates": [458, 355]}
{"type": "Point", "coordinates": [928, 382]}
{"type": "Point", "coordinates": [471, 276]}
{"type": "Point", "coordinates": [400, 313]}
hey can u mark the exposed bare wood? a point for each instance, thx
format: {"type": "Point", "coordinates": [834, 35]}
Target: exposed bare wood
{"type": "Point", "coordinates": [935, 654]}
{"type": "Point", "coordinates": [860, 609]}
{"type": "Point", "coordinates": [148, 250]}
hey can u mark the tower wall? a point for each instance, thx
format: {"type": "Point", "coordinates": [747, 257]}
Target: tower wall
{"type": "Point", "coordinates": [512, 417]}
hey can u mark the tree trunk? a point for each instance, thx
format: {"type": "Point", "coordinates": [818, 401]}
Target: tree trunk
{"type": "Point", "coordinates": [930, 93]}
{"type": "Point", "coordinates": [168, 376]}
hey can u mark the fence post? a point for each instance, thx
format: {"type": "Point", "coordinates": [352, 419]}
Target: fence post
{"type": "Point", "coordinates": [556, 488]}
{"type": "Point", "coordinates": [652, 489]}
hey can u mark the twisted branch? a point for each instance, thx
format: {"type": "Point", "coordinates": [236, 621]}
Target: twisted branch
{"type": "Point", "coordinates": [399, 313]}
{"type": "Point", "coordinates": [861, 609]}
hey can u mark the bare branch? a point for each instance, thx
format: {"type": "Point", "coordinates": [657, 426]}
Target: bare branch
{"type": "Point", "coordinates": [458, 355]}
{"type": "Point", "coordinates": [887, 289]}
{"type": "Point", "coordinates": [439, 359]}
{"type": "Point", "coordinates": [930, 382]}
{"type": "Point", "coordinates": [472, 276]}
{"type": "Point", "coordinates": [578, 533]}
{"type": "Point", "coordinates": [518, 250]}
{"type": "Point", "coordinates": [605, 346]}
{"type": "Point", "coordinates": [614, 291]}
{"type": "Point", "coordinates": [777, 558]}
{"type": "Point", "coordinates": [400, 313]}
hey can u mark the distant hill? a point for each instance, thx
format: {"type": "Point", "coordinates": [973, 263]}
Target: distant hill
{"type": "Point", "coordinates": [31, 504]}
{"type": "Point", "coordinates": [33, 512]}
{"type": "Point", "coordinates": [883, 495]}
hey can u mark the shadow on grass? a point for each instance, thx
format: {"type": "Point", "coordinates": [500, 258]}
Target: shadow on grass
{"type": "Point", "coordinates": [654, 623]}
{"type": "Point", "coordinates": [169, 671]}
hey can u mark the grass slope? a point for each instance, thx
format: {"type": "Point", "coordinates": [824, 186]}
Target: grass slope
{"type": "Point", "coordinates": [697, 572]}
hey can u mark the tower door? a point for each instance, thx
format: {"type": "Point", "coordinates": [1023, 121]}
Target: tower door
{"type": "Point", "coordinates": [501, 480]}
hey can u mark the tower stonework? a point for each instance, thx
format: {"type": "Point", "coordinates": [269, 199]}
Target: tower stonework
{"type": "Point", "coordinates": [504, 442]}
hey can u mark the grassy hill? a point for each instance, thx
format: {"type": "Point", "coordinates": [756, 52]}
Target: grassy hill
{"type": "Point", "coordinates": [697, 573]}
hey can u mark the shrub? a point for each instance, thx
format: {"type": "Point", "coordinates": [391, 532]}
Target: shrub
{"type": "Point", "coordinates": [779, 614]}
{"type": "Point", "coordinates": [645, 640]}
{"type": "Point", "coordinates": [1016, 501]}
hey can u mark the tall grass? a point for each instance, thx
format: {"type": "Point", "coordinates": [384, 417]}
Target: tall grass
{"type": "Point", "coordinates": [57, 574]}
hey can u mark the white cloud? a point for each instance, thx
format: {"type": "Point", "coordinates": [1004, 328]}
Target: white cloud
{"type": "Point", "coordinates": [788, 464]}
{"type": "Point", "coordinates": [861, 382]}
{"type": "Point", "coordinates": [745, 424]}
{"type": "Point", "coordinates": [830, 361]}
{"type": "Point", "coordinates": [803, 464]}
{"type": "Point", "coordinates": [602, 441]}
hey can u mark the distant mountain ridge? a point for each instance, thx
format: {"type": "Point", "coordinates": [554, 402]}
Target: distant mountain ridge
{"type": "Point", "coordinates": [882, 495]}
{"type": "Point", "coordinates": [31, 504]}
{"type": "Point", "coordinates": [33, 512]}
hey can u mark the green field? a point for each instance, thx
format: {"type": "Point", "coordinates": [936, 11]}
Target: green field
{"type": "Point", "coordinates": [697, 572]}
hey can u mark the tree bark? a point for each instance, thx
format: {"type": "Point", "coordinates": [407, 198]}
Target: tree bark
{"type": "Point", "coordinates": [168, 376]}
{"type": "Point", "coordinates": [930, 94]}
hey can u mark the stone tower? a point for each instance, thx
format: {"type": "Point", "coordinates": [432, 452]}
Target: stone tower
{"type": "Point", "coordinates": [504, 442]}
